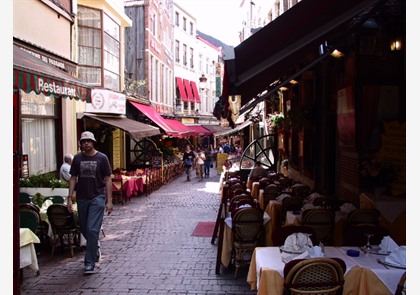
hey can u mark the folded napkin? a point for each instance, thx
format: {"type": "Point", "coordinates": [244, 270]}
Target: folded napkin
{"type": "Point", "coordinates": [312, 197]}
{"type": "Point", "coordinates": [46, 204]}
{"type": "Point", "coordinates": [315, 252]}
{"type": "Point", "coordinates": [388, 244]}
{"type": "Point", "coordinates": [397, 257]}
{"type": "Point", "coordinates": [298, 242]}
{"type": "Point", "coordinates": [347, 207]}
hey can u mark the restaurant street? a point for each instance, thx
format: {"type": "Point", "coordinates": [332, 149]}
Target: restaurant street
{"type": "Point", "coordinates": [148, 249]}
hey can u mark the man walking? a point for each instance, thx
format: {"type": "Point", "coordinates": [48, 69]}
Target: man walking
{"type": "Point", "coordinates": [92, 170]}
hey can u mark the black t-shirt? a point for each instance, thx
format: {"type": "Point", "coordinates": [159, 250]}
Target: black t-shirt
{"type": "Point", "coordinates": [90, 172]}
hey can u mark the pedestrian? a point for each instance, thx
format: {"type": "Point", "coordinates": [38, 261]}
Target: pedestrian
{"type": "Point", "coordinates": [65, 168]}
{"type": "Point", "coordinates": [92, 170]}
{"type": "Point", "coordinates": [201, 157]}
{"type": "Point", "coordinates": [207, 163]}
{"type": "Point", "coordinates": [188, 159]}
{"type": "Point", "coordinates": [257, 172]}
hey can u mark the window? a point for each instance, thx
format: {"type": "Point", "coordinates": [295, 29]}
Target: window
{"type": "Point", "coordinates": [177, 19]}
{"type": "Point", "coordinates": [191, 29]}
{"type": "Point", "coordinates": [153, 24]}
{"type": "Point", "coordinates": [192, 58]}
{"type": "Point", "coordinates": [111, 54]}
{"type": "Point", "coordinates": [39, 120]}
{"type": "Point", "coordinates": [90, 45]}
{"type": "Point", "coordinates": [91, 34]}
{"type": "Point", "coordinates": [184, 24]}
{"type": "Point", "coordinates": [176, 50]}
{"type": "Point", "coordinates": [184, 54]}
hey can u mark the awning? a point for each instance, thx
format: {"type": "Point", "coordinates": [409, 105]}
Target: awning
{"type": "Point", "coordinates": [134, 128]}
{"type": "Point", "coordinates": [199, 130]}
{"type": "Point", "coordinates": [155, 117]}
{"type": "Point", "coordinates": [32, 74]}
{"type": "Point", "coordinates": [289, 42]}
{"type": "Point", "coordinates": [215, 128]}
{"type": "Point", "coordinates": [189, 91]}
{"type": "Point", "coordinates": [181, 89]}
{"type": "Point", "coordinates": [183, 130]}
{"type": "Point", "coordinates": [195, 92]}
{"type": "Point", "coordinates": [234, 130]}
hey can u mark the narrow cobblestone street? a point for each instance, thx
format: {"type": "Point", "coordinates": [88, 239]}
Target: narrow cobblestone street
{"type": "Point", "coordinates": [148, 249]}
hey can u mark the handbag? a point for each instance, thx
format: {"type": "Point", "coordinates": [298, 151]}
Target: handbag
{"type": "Point", "coordinates": [188, 162]}
{"type": "Point", "coordinates": [211, 165]}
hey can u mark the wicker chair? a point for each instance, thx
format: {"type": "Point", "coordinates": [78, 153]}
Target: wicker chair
{"type": "Point", "coordinates": [364, 216]}
{"type": "Point", "coordinates": [314, 276]}
{"type": "Point", "coordinates": [63, 225]}
{"type": "Point", "coordinates": [401, 290]}
{"type": "Point", "coordinates": [292, 203]}
{"type": "Point", "coordinates": [355, 235]}
{"type": "Point", "coordinates": [247, 229]}
{"type": "Point", "coordinates": [271, 192]}
{"type": "Point", "coordinates": [322, 221]}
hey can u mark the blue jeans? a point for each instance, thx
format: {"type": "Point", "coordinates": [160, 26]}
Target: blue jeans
{"type": "Point", "coordinates": [91, 214]}
{"type": "Point", "coordinates": [207, 167]}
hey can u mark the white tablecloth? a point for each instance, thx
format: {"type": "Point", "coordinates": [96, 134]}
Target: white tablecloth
{"type": "Point", "coordinates": [271, 258]}
{"type": "Point", "coordinates": [27, 249]}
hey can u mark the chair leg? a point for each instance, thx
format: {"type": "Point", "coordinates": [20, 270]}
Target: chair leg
{"type": "Point", "coordinates": [54, 243]}
{"type": "Point", "coordinates": [69, 240]}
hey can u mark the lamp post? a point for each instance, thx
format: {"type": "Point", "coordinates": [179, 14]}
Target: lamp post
{"type": "Point", "coordinates": [203, 86]}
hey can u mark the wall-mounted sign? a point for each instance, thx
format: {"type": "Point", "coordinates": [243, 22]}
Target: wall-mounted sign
{"type": "Point", "coordinates": [106, 101]}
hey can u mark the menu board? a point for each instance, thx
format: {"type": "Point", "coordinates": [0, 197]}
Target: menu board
{"type": "Point", "coordinates": [116, 148]}
{"type": "Point", "coordinates": [221, 158]}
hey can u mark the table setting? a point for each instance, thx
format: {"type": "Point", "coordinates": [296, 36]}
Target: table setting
{"type": "Point", "coordinates": [366, 272]}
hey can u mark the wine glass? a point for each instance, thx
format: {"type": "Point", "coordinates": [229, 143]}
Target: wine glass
{"type": "Point", "coordinates": [367, 248]}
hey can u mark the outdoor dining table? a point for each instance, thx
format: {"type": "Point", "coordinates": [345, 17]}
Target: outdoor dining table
{"type": "Point", "coordinates": [363, 275]}
{"type": "Point", "coordinates": [27, 249]}
{"type": "Point", "coordinates": [131, 185]}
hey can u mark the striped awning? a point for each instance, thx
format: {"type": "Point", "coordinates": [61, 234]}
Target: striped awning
{"type": "Point", "coordinates": [32, 74]}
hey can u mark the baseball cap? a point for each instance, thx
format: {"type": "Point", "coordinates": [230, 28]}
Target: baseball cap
{"type": "Point", "coordinates": [87, 135]}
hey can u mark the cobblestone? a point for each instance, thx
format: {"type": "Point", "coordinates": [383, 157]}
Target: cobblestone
{"type": "Point", "coordinates": [148, 249]}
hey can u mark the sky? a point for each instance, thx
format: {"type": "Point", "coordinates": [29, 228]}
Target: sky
{"type": "Point", "coordinates": [217, 18]}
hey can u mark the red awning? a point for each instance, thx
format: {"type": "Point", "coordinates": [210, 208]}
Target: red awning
{"type": "Point", "coordinates": [181, 89]}
{"type": "Point", "coordinates": [195, 92]}
{"type": "Point", "coordinates": [32, 74]}
{"type": "Point", "coordinates": [189, 91]}
{"type": "Point", "coordinates": [183, 130]}
{"type": "Point", "coordinates": [155, 117]}
{"type": "Point", "coordinates": [199, 130]}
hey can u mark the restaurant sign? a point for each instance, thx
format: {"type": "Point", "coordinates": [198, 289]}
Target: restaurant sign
{"type": "Point", "coordinates": [106, 101]}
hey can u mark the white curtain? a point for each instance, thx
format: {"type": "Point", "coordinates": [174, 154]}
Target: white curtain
{"type": "Point", "coordinates": [38, 133]}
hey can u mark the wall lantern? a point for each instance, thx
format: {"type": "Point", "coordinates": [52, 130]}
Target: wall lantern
{"type": "Point", "coordinates": [203, 82]}
{"type": "Point", "coordinates": [395, 44]}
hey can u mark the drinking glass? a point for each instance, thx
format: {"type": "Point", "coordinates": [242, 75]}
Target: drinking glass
{"type": "Point", "coordinates": [367, 248]}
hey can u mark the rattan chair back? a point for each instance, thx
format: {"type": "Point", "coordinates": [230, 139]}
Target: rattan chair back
{"type": "Point", "coordinates": [247, 228]}
{"type": "Point", "coordinates": [314, 276]}
{"type": "Point", "coordinates": [322, 221]}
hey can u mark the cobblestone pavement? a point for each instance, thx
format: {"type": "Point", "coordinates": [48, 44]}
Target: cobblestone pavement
{"type": "Point", "coordinates": [147, 249]}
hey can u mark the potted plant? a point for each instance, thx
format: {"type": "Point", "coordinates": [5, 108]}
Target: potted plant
{"type": "Point", "coordinates": [45, 184]}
